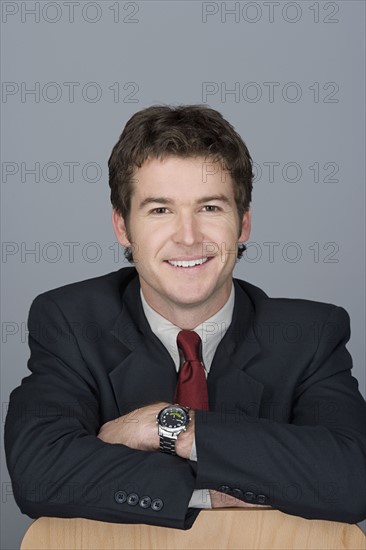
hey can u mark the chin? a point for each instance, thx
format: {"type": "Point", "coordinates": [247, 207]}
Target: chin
{"type": "Point", "coordinates": [190, 299]}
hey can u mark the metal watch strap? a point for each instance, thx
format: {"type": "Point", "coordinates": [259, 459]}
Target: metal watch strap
{"type": "Point", "coordinates": [167, 445]}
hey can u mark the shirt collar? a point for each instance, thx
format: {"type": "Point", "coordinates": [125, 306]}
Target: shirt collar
{"type": "Point", "coordinates": [211, 331]}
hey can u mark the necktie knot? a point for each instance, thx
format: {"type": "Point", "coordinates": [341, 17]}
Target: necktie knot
{"type": "Point", "coordinates": [189, 343]}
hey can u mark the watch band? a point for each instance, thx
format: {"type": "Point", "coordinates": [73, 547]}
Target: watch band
{"type": "Point", "coordinates": [167, 445]}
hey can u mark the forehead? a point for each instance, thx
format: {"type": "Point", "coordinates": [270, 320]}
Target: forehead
{"type": "Point", "coordinates": [173, 175]}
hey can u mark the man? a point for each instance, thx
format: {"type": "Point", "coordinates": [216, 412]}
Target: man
{"type": "Point", "coordinates": [274, 419]}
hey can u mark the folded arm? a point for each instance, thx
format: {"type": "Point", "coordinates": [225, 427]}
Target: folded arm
{"type": "Point", "coordinates": [310, 462]}
{"type": "Point", "coordinates": [58, 465]}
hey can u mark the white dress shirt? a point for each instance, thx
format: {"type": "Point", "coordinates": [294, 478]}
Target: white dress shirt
{"type": "Point", "coordinates": [211, 333]}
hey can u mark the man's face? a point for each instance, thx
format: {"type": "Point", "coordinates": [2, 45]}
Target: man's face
{"type": "Point", "coordinates": [184, 231]}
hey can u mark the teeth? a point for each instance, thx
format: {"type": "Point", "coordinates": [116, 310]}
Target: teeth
{"type": "Point", "coordinates": [186, 263]}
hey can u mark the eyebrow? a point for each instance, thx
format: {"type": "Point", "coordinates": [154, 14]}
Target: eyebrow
{"type": "Point", "coordinates": [167, 201]}
{"type": "Point", "coordinates": [150, 200]}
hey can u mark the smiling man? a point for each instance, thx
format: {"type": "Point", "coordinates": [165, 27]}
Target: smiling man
{"type": "Point", "coordinates": [191, 395]}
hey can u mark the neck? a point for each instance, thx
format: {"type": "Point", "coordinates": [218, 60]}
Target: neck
{"type": "Point", "coordinates": [186, 316]}
{"type": "Point", "coordinates": [188, 320]}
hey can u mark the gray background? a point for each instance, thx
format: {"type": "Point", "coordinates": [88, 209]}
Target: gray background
{"type": "Point", "coordinates": [123, 56]}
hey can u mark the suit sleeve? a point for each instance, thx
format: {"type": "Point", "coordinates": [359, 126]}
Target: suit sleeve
{"type": "Point", "coordinates": [57, 464]}
{"type": "Point", "coordinates": [313, 465]}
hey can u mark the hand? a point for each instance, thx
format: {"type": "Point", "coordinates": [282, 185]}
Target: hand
{"type": "Point", "coordinates": [183, 444]}
{"type": "Point", "coordinates": [137, 429]}
{"type": "Point", "coordinates": [221, 500]}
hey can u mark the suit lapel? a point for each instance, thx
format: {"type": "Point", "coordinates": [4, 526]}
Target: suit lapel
{"type": "Point", "coordinates": [230, 387]}
{"type": "Point", "coordinates": [146, 372]}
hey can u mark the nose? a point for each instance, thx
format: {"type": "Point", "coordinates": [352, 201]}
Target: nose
{"type": "Point", "coordinates": [187, 230]}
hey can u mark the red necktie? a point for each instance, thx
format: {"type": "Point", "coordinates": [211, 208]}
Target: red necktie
{"type": "Point", "coordinates": [191, 390]}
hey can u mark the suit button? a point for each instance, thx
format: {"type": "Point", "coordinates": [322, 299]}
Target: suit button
{"type": "Point", "coordinates": [120, 497]}
{"type": "Point", "coordinates": [132, 499]}
{"type": "Point", "coordinates": [224, 489]}
{"type": "Point", "coordinates": [157, 504]}
{"type": "Point", "coordinates": [261, 499]}
{"type": "Point", "coordinates": [237, 493]}
{"type": "Point", "coordinates": [145, 502]}
{"type": "Point", "coordinates": [249, 496]}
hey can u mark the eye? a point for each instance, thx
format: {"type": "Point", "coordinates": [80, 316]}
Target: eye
{"type": "Point", "coordinates": [211, 208]}
{"type": "Point", "coordinates": [159, 210]}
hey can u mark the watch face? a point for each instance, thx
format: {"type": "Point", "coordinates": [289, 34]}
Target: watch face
{"type": "Point", "coordinates": [173, 417]}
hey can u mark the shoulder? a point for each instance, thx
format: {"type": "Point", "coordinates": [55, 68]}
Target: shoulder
{"type": "Point", "coordinates": [110, 283]}
{"type": "Point", "coordinates": [290, 309]}
{"type": "Point", "coordinates": [96, 295]}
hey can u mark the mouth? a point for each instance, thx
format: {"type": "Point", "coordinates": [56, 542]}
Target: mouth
{"type": "Point", "coordinates": [189, 264]}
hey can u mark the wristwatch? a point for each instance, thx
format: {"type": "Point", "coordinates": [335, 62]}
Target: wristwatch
{"type": "Point", "coordinates": [171, 421]}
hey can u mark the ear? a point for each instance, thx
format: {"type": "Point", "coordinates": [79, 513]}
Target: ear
{"type": "Point", "coordinates": [245, 227]}
{"type": "Point", "coordinates": [120, 229]}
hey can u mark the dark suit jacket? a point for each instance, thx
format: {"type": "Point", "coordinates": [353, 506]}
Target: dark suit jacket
{"type": "Point", "coordinates": [286, 425]}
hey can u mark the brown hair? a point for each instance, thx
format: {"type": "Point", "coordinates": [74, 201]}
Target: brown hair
{"type": "Point", "coordinates": [184, 131]}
